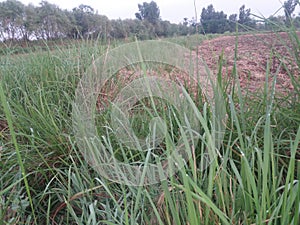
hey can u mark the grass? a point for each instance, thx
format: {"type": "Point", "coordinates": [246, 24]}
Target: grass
{"type": "Point", "coordinates": [44, 178]}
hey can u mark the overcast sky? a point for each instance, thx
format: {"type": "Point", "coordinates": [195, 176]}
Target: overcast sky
{"type": "Point", "coordinates": [172, 10]}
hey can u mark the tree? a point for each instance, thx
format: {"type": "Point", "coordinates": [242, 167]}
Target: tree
{"type": "Point", "coordinates": [232, 22]}
{"type": "Point", "coordinates": [275, 23]}
{"type": "Point", "coordinates": [149, 12]}
{"type": "Point", "coordinates": [53, 22]}
{"type": "Point", "coordinates": [245, 19]}
{"type": "Point", "coordinates": [30, 23]}
{"type": "Point", "coordinates": [289, 7]}
{"type": "Point", "coordinates": [296, 22]}
{"type": "Point", "coordinates": [187, 27]}
{"type": "Point", "coordinates": [118, 29]}
{"type": "Point", "coordinates": [11, 19]}
{"type": "Point", "coordinates": [185, 21]}
{"type": "Point", "coordinates": [163, 29]}
{"type": "Point", "coordinates": [101, 26]}
{"type": "Point", "coordinates": [212, 21]}
{"type": "Point", "coordinates": [233, 17]}
{"type": "Point", "coordinates": [85, 21]}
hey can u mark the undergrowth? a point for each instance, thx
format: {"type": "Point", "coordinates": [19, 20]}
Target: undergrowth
{"type": "Point", "coordinates": [44, 178]}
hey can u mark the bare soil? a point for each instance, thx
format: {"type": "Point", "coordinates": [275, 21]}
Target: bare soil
{"type": "Point", "coordinates": [255, 53]}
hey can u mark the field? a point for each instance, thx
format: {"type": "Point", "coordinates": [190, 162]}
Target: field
{"type": "Point", "coordinates": [252, 178]}
{"type": "Point", "coordinates": [255, 52]}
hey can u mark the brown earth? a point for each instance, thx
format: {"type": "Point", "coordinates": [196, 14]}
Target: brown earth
{"type": "Point", "coordinates": [3, 125]}
{"type": "Point", "coordinates": [255, 53]}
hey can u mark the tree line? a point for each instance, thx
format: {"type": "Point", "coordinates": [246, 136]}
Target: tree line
{"type": "Point", "coordinates": [217, 22]}
{"type": "Point", "coordinates": [47, 21]}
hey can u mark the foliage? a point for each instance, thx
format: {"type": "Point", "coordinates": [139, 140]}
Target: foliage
{"type": "Point", "coordinates": [245, 20]}
{"type": "Point", "coordinates": [255, 179]}
{"type": "Point", "coordinates": [289, 7]}
{"type": "Point", "coordinates": [48, 22]}
{"type": "Point", "coordinates": [11, 16]}
{"type": "Point", "coordinates": [274, 23]}
{"type": "Point", "coordinates": [217, 22]}
{"type": "Point", "coordinates": [88, 23]}
{"type": "Point", "coordinates": [43, 177]}
{"type": "Point", "coordinates": [212, 21]}
{"type": "Point", "coordinates": [232, 22]}
{"type": "Point", "coordinates": [51, 21]}
{"type": "Point", "coordinates": [149, 12]}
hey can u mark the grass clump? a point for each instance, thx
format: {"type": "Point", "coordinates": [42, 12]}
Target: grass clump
{"type": "Point", "coordinates": [44, 178]}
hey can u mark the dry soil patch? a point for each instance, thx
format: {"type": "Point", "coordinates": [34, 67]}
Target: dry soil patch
{"type": "Point", "coordinates": [254, 53]}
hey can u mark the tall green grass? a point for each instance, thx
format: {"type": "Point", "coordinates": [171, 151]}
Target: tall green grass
{"type": "Point", "coordinates": [45, 180]}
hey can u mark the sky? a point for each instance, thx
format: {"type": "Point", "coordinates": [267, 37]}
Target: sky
{"type": "Point", "coordinates": [172, 10]}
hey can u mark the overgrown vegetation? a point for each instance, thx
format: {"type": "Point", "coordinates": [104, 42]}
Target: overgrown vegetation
{"type": "Point", "coordinates": [49, 22]}
{"type": "Point", "coordinates": [45, 180]}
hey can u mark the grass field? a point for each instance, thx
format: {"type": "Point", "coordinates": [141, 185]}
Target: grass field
{"type": "Point", "coordinates": [44, 178]}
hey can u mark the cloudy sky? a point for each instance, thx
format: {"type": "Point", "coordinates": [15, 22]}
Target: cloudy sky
{"type": "Point", "coordinates": [172, 10]}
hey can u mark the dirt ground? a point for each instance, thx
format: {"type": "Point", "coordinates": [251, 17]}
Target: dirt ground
{"type": "Point", "coordinates": [254, 53]}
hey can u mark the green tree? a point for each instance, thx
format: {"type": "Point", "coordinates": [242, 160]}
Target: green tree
{"type": "Point", "coordinates": [296, 22]}
{"type": "Point", "coordinates": [53, 22]}
{"type": "Point", "coordinates": [245, 19]}
{"type": "Point", "coordinates": [212, 21]}
{"type": "Point", "coordinates": [232, 22]}
{"type": "Point", "coordinates": [86, 20]}
{"type": "Point", "coordinates": [31, 22]}
{"type": "Point", "coordinates": [143, 29]}
{"type": "Point", "coordinates": [163, 28]}
{"type": "Point", "coordinates": [149, 12]}
{"type": "Point", "coordinates": [101, 26]}
{"type": "Point", "coordinates": [275, 23]}
{"type": "Point", "coordinates": [118, 29]}
{"type": "Point", "coordinates": [11, 19]}
{"type": "Point", "coordinates": [289, 7]}
{"type": "Point", "coordinates": [186, 27]}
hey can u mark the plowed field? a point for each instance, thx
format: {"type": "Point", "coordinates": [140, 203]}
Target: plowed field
{"type": "Point", "coordinates": [255, 53]}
